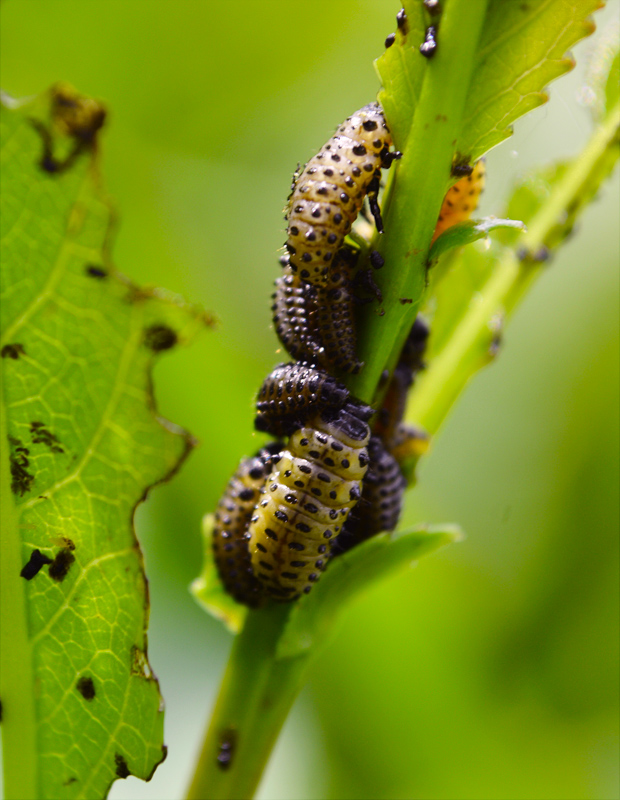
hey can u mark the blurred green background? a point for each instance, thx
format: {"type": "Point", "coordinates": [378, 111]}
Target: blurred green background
{"type": "Point", "coordinates": [490, 671]}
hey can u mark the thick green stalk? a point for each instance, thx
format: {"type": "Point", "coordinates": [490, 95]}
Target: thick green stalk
{"type": "Point", "coordinates": [468, 347]}
{"type": "Point", "coordinates": [423, 172]}
{"type": "Point", "coordinates": [256, 694]}
{"type": "Point", "coordinates": [19, 744]}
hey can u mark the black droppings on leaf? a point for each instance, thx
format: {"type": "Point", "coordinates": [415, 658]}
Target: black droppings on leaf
{"type": "Point", "coordinates": [226, 749]}
{"type": "Point", "coordinates": [159, 337]}
{"type": "Point", "coordinates": [390, 40]}
{"type": "Point", "coordinates": [402, 22]}
{"type": "Point", "coordinates": [429, 45]}
{"type": "Point", "coordinates": [433, 7]}
{"type": "Point", "coordinates": [95, 272]}
{"type": "Point", "coordinates": [21, 479]}
{"type": "Point", "coordinates": [405, 300]}
{"type": "Point", "coordinates": [122, 770]}
{"type": "Point", "coordinates": [461, 166]}
{"type": "Point", "coordinates": [86, 687]}
{"type": "Point", "coordinates": [13, 351]}
{"type": "Point", "coordinates": [61, 564]}
{"type": "Point", "coordinates": [35, 563]}
{"type": "Point", "coordinates": [70, 780]}
{"type": "Point", "coordinates": [42, 435]}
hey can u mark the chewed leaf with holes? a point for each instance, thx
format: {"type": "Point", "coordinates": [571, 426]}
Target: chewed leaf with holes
{"type": "Point", "coordinates": [81, 445]}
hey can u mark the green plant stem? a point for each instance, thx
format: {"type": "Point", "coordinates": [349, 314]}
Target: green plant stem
{"type": "Point", "coordinates": [468, 347]}
{"type": "Point", "coordinates": [423, 172]}
{"type": "Point", "coordinates": [255, 696]}
{"type": "Point", "coordinates": [19, 745]}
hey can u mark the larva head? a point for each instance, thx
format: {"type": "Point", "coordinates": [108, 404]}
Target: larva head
{"type": "Point", "coordinates": [349, 424]}
{"type": "Point", "coordinates": [368, 126]}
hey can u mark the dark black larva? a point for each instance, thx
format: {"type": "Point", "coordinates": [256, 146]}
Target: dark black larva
{"type": "Point", "coordinates": [291, 393]}
{"type": "Point", "coordinates": [232, 517]}
{"type": "Point", "coordinates": [316, 323]}
{"type": "Point", "coordinates": [294, 318]}
{"type": "Point", "coordinates": [328, 194]}
{"type": "Point", "coordinates": [381, 502]}
{"type": "Point", "coordinates": [335, 315]}
{"type": "Point", "coordinates": [315, 483]}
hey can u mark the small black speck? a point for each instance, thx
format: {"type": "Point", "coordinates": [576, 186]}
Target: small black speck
{"type": "Point", "coordinates": [13, 351]}
{"type": "Point", "coordinates": [61, 564]}
{"type": "Point", "coordinates": [159, 337]}
{"type": "Point", "coordinates": [86, 687]}
{"type": "Point", "coordinates": [95, 272]}
{"type": "Point", "coordinates": [390, 40]}
{"type": "Point", "coordinates": [36, 561]}
{"type": "Point", "coordinates": [122, 770]}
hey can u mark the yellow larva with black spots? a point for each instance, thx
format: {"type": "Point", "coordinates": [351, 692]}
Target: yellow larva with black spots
{"type": "Point", "coordinates": [329, 193]}
{"type": "Point", "coordinates": [315, 482]}
{"type": "Point", "coordinates": [461, 200]}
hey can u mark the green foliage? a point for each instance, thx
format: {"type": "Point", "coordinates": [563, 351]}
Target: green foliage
{"type": "Point", "coordinates": [467, 233]}
{"type": "Point", "coordinates": [352, 574]}
{"type": "Point", "coordinates": [80, 431]}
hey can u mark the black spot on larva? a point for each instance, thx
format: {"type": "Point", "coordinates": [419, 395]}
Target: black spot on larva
{"type": "Point", "coordinates": [94, 271]}
{"type": "Point", "coordinates": [120, 766]}
{"type": "Point", "coordinates": [42, 435]}
{"type": "Point", "coordinates": [246, 494]}
{"type": "Point", "coordinates": [159, 337]}
{"type": "Point", "coordinates": [61, 564]}
{"type": "Point", "coordinates": [86, 687]}
{"type": "Point", "coordinates": [13, 351]}
{"type": "Point", "coordinates": [36, 561]}
{"type": "Point", "coordinates": [226, 748]}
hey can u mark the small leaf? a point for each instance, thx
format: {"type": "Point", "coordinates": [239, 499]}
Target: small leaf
{"type": "Point", "coordinates": [312, 618]}
{"type": "Point", "coordinates": [85, 444]}
{"type": "Point", "coordinates": [208, 589]}
{"type": "Point", "coordinates": [467, 232]}
{"type": "Point", "coordinates": [523, 47]}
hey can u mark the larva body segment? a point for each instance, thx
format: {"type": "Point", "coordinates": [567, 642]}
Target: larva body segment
{"type": "Point", "coordinates": [306, 499]}
{"type": "Point", "coordinates": [291, 393]}
{"type": "Point", "coordinates": [232, 517]}
{"type": "Point", "coordinates": [381, 502]}
{"type": "Point", "coordinates": [316, 323]}
{"type": "Point", "coordinates": [328, 194]}
{"type": "Point", "coordinates": [461, 200]}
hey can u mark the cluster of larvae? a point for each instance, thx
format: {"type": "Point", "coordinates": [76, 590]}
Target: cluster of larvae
{"type": "Point", "coordinates": [328, 481]}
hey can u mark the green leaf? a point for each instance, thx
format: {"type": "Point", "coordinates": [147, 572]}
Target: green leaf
{"type": "Point", "coordinates": [84, 443]}
{"type": "Point", "coordinates": [523, 47]}
{"type": "Point", "coordinates": [401, 70]}
{"type": "Point", "coordinates": [468, 232]}
{"type": "Point", "coordinates": [350, 574]}
{"type": "Point", "coordinates": [209, 590]}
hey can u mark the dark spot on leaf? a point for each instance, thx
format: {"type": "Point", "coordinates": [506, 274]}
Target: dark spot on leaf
{"type": "Point", "coordinates": [21, 479]}
{"type": "Point", "coordinates": [405, 300]}
{"type": "Point", "coordinates": [159, 337]}
{"type": "Point", "coordinates": [122, 770]}
{"type": "Point", "coordinates": [226, 749]}
{"type": "Point", "coordinates": [61, 564]}
{"type": "Point", "coordinates": [461, 166]}
{"type": "Point", "coordinates": [86, 687]}
{"type": "Point", "coordinates": [0, 710]}
{"type": "Point", "coordinates": [95, 272]}
{"type": "Point", "coordinates": [13, 351]}
{"type": "Point", "coordinates": [70, 780]}
{"type": "Point", "coordinates": [42, 435]}
{"type": "Point", "coordinates": [36, 561]}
